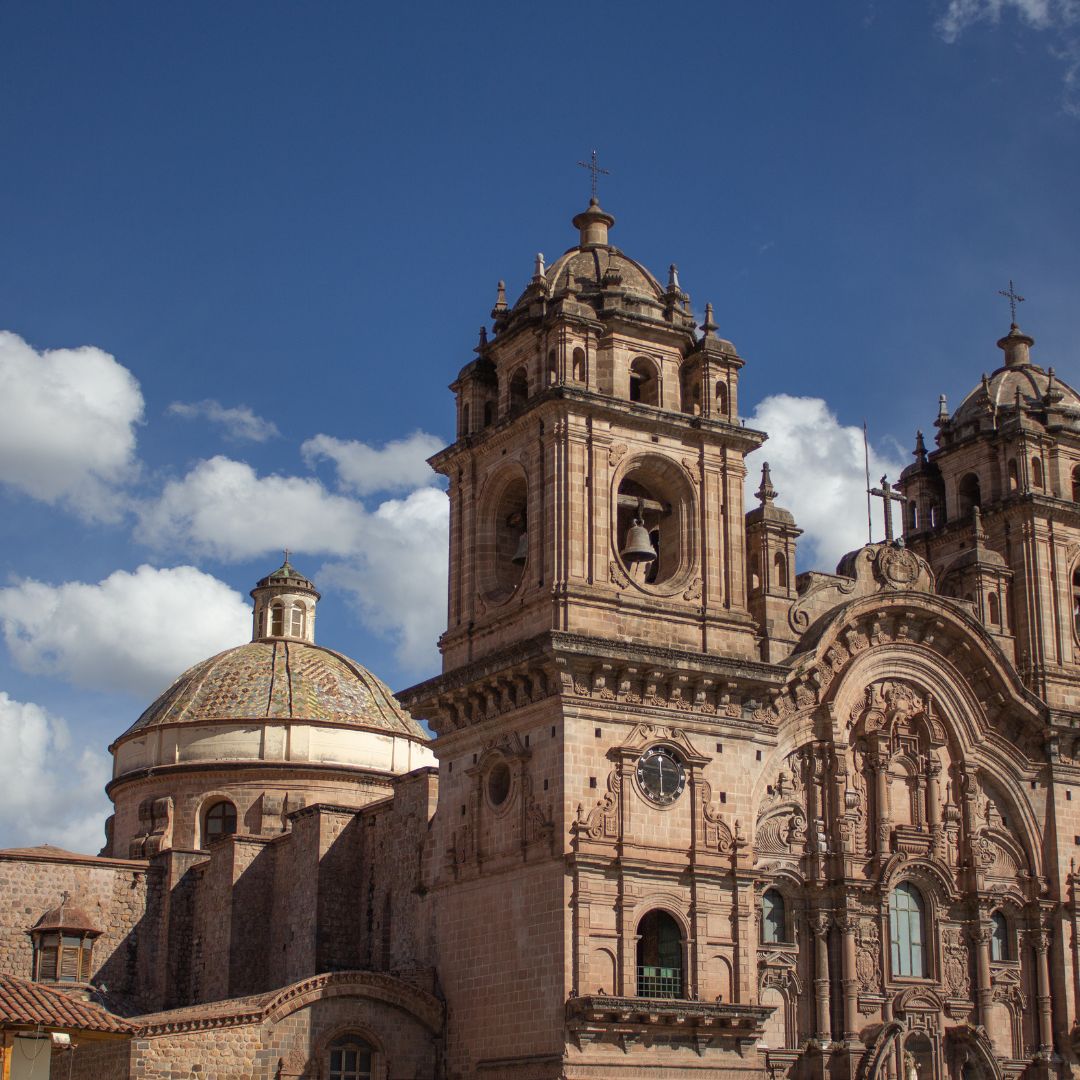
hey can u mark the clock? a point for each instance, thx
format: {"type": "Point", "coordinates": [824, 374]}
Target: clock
{"type": "Point", "coordinates": [661, 774]}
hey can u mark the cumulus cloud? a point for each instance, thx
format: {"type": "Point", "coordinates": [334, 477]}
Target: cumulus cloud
{"type": "Point", "coordinates": [240, 423]}
{"type": "Point", "coordinates": [398, 579]}
{"type": "Point", "coordinates": [401, 465]}
{"type": "Point", "coordinates": [222, 508]}
{"type": "Point", "coordinates": [68, 435]}
{"type": "Point", "coordinates": [50, 791]}
{"type": "Point", "coordinates": [818, 468]}
{"type": "Point", "coordinates": [391, 559]}
{"type": "Point", "coordinates": [133, 632]}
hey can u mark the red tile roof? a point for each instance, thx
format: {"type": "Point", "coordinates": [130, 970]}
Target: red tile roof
{"type": "Point", "coordinates": [23, 1002]}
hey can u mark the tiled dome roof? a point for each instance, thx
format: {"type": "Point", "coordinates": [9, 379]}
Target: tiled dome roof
{"type": "Point", "coordinates": [281, 680]}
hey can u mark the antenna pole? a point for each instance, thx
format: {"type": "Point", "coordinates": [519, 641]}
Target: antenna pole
{"type": "Point", "coordinates": [866, 459]}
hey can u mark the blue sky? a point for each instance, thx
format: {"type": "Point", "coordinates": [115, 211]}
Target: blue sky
{"type": "Point", "coordinates": [245, 247]}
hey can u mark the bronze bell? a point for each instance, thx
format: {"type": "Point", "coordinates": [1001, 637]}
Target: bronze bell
{"type": "Point", "coordinates": [638, 547]}
{"type": "Point", "coordinates": [522, 552]}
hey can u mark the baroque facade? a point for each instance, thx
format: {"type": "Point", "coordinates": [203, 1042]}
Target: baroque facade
{"type": "Point", "coordinates": [684, 812]}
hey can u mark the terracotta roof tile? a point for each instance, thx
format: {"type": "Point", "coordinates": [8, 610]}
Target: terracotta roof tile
{"type": "Point", "coordinates": [26, 1002]}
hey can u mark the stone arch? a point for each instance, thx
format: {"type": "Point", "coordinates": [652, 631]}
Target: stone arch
{"type": "Point", "coordinates": [502, 518]}
{"type": "Point", "coordinates": [644, 381]}
{"type": "Point", "coordinates": [374, 985]}
{"type": "Point", "coordinates": [669, 498]}
{"type": "Point", "coordinates": [205, 802]}
{"type": "Point", "coordinates": [320, 1050]}
{"type": "Point", "coordinates": [603, 972]}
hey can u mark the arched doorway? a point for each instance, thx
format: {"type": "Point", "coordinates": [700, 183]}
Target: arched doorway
{"type": "Point", "coordinates": [659, 957]}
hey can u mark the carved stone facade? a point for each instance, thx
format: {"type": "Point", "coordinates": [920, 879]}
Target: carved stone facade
{"type": "Point", "coordinates": [694, 814]}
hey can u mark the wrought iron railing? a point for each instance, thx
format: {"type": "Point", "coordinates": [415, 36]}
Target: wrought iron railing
{"type": "Point", "coordinates": [659, 982]}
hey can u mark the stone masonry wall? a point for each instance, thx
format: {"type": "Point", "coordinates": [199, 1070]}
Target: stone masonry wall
{"type": "Point", "coordinates": [111, 891]}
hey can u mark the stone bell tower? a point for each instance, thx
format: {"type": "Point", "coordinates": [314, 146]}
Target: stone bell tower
{"type": "Point", "coordinates": [598, 649]}
{"type": "Point", "coordinates": [994, 509]}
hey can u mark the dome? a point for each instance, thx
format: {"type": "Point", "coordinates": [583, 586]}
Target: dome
{"type": "Point", "coordinates": [596, 279]}
{"type": "Point", "coordinates": [280, 680]}
{"type": "Point", "coordinates": [1037, 389]}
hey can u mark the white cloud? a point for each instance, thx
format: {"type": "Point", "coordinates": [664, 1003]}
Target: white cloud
{"type": "Point", "coordinates": [400, 465]}
{"type": "Point", "coordinates": [132, 632]}
{"type": "Point", "coordinates": [68, 434]}
{"type": "Point", "coordinates": [392, 560]}
{"type": "Point", "coordinates": [818, 468]}
{"type": "Point", "coordinates": [398, 578]}
{"type": "Point", "coordinates": [50, 792]}
{"type": "Point", "coordinates": [1059, 18]}
{"type": "Point", "coordinates": [240, 422]}
{"type": "Point", "coordinates": [224, 509]}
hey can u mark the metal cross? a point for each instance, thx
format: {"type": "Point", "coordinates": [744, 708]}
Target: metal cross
{"type": "Point", "coordinates": [286, 554]}
{"type": "Point", "coordinates": [595, 169]}
{"type": "Point", "coordinates": [1014, 298]}
{"type": "Point", "coordinates": [888, 495]}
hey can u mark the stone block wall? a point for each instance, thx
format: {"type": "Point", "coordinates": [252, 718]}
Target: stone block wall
{"type": "Point", "coordinates": [111, 891]}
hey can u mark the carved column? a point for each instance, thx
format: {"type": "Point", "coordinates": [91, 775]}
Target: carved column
{"type": "Point", "coordinates": [848, 924]}
{"type": "Point", "coordinates": [820, 924]}
{"type": "Point", "coordinates": [878, 761]}
{"type": "Point", "coordinates": [980, 934]}
{"type": "Point", "coordinates": [1041, 940]}
{"type": "Point", "coordinates": [933, 805]}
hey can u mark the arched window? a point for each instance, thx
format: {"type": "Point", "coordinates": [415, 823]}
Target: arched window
{"type": "Point", "coordinates": [489, 413]}
{"type": "Point", "coordinates": [1014, 476]}
{"type": "Point", "coordinates": [773, 918]}
{"type": "Point", "coordinates": [1076, 484]}
{"type": "Point", "coordinates": [350, 1058]}
{"type": "Point", "coordinates": [999, 937]}
{"type": "Point", "coordinates": [519, 389]}
{"type": "Point", "coordinates": [721, 398]}
{"type": "Point", "coordinates": [644, 383]}
{"type": "Point", "coordinates": [968, 494]}
{"type": "Point", "coordinates": [552, 368]}
{"type": "Point", "coordinates": [907, 932]}
{"type": "Point", "coordinates": [995, 609]}
{"type": "Point", "coordinates": [579, 365]}
{"type": "Point", "coordinates": [296, 621]}
{"type": "Point", "coordinates": [465, 419]}
{"type": "Point", "coordinates": [277, 620]}
{"type": "Point", "coordinates": [220, 820]}
{"type": "Point", "coordinates": [659, 957]}
{"type": "Point", "coordinates": [913, 515]}
{"type": "Point", "coordinates": [780, 569]}
{"type": "Point", "coordinates": [1036, 472]}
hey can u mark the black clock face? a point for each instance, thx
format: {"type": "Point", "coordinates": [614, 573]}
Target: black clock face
{"type": "Point", "coordinates": [661, 774]}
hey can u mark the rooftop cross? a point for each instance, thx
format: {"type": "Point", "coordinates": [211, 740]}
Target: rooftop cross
{"type": "Point", "coordinates": [595, 169]}
{"type": "Point", "coordinates": [1014, 298]}
{"type": "Point", "coordinates": [887, 494]}
{"type": "Point", "coordinates": [286, 552]}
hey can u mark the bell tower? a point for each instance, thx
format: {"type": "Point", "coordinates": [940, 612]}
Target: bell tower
{"type": "Point", "coordinates": [995, 510]}
{"type": "Point", "coordinates": [597, 415]}
{"type": "Point", "coordinates": [599, 651]}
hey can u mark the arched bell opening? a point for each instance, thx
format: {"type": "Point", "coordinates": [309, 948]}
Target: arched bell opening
{"type": "Point", "coordinates": [519, 390]}
{"type": "Point", "coordinates": [968, 495]}
{"type": "Point", "coordinates": [690, 388]}
{"type": "Point", "coordinates": [653, 521]}
{"type": "Point", "coordinates": [503, 542]}
{"type": "Point", "coordinates": [644, 382]}
{"type": "Point", "coordinates": [660, 971]}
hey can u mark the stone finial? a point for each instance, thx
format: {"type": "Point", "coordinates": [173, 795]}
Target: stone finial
{"type": "Point", "coordinates": [1053, 394]}
{"type": "Point", "coordinates": [673, 278]}
{"type": "Point", "coordinates": [483, 339]}
{"type": "Point", "coordinates": [766, 493]}
{"type": "Point", "coordinates": [919, 452]}
{"type": "Point", "coordinates": [977, 526]}
{"type": "Point", "coordinates": [1017, 347]}
{"type": "Point", "coordinates": [500, 301]}
{"type": "Point", "coordinates": [708, 327]}
{"type": "Point", "coordinates": [538, 267]}
{"type": "Point", "coordinates": [942, 411]}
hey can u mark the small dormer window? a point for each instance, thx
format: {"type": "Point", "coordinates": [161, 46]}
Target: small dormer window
{"type": "Point", "coordinates": [63, 942]}
{"type": "Point", "coordinates": [296, 621]}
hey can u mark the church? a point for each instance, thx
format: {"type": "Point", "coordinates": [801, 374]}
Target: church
{"type": "Point", "coordinates": [682, 811]}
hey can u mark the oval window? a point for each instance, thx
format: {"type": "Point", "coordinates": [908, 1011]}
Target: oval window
{"type": "Point", "coordinates": [498, 784]}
